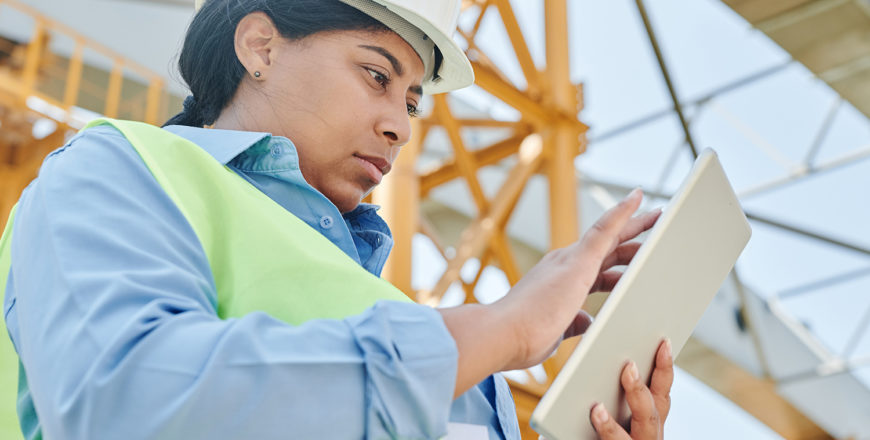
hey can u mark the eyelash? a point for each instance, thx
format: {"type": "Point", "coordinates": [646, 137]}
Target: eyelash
{"type": "Point", "coordinates": [384, 81]}
{"type": "Point", "coordinates": [413, 111]}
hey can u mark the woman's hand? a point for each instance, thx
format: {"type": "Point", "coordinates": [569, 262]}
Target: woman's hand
{"type": "Point", "coordinates": [523, 328]}
{"type": "Point", "coordinates": [545, 305]}
{"type": "Point", "coordinates": [649, 406]}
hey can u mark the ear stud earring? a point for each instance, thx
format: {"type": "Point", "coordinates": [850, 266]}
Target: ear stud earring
{"type": "Point", "coordinates": [257, 74]}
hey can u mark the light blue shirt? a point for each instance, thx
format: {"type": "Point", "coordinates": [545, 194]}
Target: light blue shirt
{"type": "Point", "coordinates": [111, 306]}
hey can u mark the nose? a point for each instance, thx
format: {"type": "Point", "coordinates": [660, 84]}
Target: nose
{"type": "Point", "coordinates": [394, 125]}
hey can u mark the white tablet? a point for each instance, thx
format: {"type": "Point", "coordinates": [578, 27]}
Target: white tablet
{"type": "Point", "coordinates": [662, 294]}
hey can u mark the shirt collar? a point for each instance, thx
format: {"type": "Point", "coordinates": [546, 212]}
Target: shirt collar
{"type": "Point", "coordinates": [226, 145]}
{"type": "Point", "coordinates": [263, 159]}
{"type": "Point", "coordinates": [223, 145]}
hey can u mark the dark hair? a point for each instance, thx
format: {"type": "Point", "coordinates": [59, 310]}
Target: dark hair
{"type": "Point", "coordinates": [208, 61]}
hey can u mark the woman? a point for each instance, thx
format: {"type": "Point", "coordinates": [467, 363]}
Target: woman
{"type": "Point", "coordinates": [221, 283]}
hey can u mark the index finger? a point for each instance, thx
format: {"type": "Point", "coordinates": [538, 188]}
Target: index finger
{"type": "Point", "coordinates": [603, 236]}
{"type": "Point", "coordinates": [639, 224]}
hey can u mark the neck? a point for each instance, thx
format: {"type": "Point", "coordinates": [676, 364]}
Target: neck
{"type": "Point", "coordinates": [243, 114]}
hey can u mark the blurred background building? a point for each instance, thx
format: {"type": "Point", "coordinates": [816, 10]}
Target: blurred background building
{"type": "Point", "coordinates": [576, 102]}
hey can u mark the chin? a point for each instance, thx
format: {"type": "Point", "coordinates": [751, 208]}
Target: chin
{"type": "Point", "coordinates": [347, 198]}
{"type": "Point", "coordinates": [347, 208]}
{"type": "Point", "coordinates": [347, 204]}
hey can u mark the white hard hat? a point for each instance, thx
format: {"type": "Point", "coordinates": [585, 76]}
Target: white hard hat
{"type": "Point", "coordinates": [428, 26]}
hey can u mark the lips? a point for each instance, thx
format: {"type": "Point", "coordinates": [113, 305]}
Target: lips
{"type": "Point", "coordinates": [376, 167]}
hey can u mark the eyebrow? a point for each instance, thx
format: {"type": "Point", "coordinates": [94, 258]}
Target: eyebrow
{"type": "Point", "coordinates": [397, 65]}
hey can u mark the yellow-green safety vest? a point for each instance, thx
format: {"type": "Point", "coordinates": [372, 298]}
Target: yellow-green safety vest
{"type": "Point", "coordinates": [256, 250]}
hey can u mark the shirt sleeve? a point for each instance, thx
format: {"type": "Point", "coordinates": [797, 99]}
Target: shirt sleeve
{"type": "Point", "coordinates": [115, 324]}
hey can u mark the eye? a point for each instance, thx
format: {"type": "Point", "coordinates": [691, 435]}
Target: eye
{"type": "Point", "coordinates": [381, 78]}
{"type": "Point", "coordinates": [413, 110]}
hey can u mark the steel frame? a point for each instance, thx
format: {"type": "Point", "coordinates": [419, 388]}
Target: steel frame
{"type": "Point", "coordinates": [25, 84]}
{"type": "Point", "coordinates": [545, 111]}
{"type": "Point", "coordinates": [544, 141]}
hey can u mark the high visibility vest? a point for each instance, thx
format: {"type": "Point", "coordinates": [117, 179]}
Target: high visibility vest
{"type": "Point", "coordinates": [262, 257]}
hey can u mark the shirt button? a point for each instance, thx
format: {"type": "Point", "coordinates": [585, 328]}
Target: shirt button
{"type": "Point", "coordinates": [326, 222]}
{"type": "Point", "coordinates": [276, 151]}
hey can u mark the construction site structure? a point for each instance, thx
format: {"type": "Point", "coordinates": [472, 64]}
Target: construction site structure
{"type": "Point", "coordinates": [45, 97]}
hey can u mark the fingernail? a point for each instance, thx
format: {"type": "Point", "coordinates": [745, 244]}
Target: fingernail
{"type": "Point", "coordinates": [632, 371]}
{"type": "Point", "coordinates": [633, 194]}
{"type": "Point", "coordinates": [669, 354]}
{"type": "Point", "coordinates": [599, 414]}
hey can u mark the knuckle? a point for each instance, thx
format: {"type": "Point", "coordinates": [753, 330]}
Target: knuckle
{"type": "Point", "coordinates": [651, 419]}
{"type": "Point", "coordinates": [556, 256]}
{"type": "Point", "coordinates": [609, 428]}
{"type": "Point", "coordinates": [665, 407]}
{"type": "Point", "coordinates": [598, 228]}
{"type": "Point", "coordinates": [552, 255]}
{"type": "Point", "coordinates": [638, 387]}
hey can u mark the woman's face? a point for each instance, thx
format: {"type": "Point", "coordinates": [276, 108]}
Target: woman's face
{"type": "Point", "coordinates": [342, 97]}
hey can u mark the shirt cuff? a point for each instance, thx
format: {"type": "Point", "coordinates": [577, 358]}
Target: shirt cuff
{"type": "Point", "coordinates": [410, 364]}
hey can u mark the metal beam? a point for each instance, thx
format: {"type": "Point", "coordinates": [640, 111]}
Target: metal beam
{"type": "Point", "coordinates": [809, 234]}
{"type": "Point", "coordinates": [799, 174]}
{"type": "Point", "coordinates": [563, 140]}
{"type": "Point", "coordinates": [399, 197]}
{"type": "Point", "coordinates": [529, 107]}
{"type": "Point", "coordinates": [857, 335]}
{"type": "Point", "coordinates": [754, 217]}
{"type": "Point", "coordinates": [838, 278]}
{"type": "Point", "coordinates": [667, 77]}
{"type": "Point", "coordinates": [507, 92]}
{"type": "Point", "coordinates": [731, 86]}
{"type": "Point", "coordinates": [483, 157]}
{"type": "Point", "coordinates": [751, 322]}
{"type": "Point", "coordinates": [480, 232]}
{"type": "Point", "coordinates": [798, 14]}
{"type": "Point", "coordinates": [468, 168]}
{"type": "Point", "coordinates": [758, 397]}
{"type": "Point", "coordinates": [845, 71]}
{"type": "Point", "coordinates": [822, 133]}
{"type": "Point", "coordinates": [563, 145]}
{"type": "Point", "coordinates": [462, 158]}
{"type": "Point", "coordinates": [521, 49]}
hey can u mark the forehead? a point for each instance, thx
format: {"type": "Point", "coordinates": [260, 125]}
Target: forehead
{"type": "Point", "coordinates": [382, 43]}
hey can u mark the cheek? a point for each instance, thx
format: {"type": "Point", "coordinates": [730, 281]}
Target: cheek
{"type": "Point", "coordinates": [341, 109]}
{"type": "Point", "coordinates": [328, 124]}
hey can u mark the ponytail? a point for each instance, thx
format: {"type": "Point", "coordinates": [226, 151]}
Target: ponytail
{"type": "Point", "coordinates": [189, 116]}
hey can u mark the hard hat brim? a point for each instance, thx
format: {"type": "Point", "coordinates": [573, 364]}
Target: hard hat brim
{"type": "Point", "coordinates": [455, 71]}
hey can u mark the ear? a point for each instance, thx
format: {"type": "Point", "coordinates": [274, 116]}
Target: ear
{"type": "Point", "coordinates": [256, 37]}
